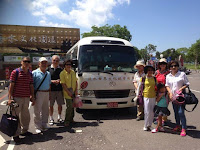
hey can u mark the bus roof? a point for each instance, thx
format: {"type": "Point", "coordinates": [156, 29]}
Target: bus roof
{"type": "Point", "coordinates": [89, 40]}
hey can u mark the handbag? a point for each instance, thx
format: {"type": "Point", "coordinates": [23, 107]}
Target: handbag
{"type": "Point", "coordinates": [77, 102]}
{"type": "Point", "coordinates": [190, 99]}
{"type": "Point", "coordinates": [9, 123]}
{"type": "Point", "coordinates": [140, 100]}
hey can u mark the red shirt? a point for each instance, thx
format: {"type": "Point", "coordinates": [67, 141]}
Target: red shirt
{"type": "Point", "coordinates": [161, 77]}
{"type": "Point", "coordinates": [22, 84]}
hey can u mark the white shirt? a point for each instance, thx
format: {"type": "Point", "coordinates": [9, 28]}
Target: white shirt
{"type": "Point", "coordinates": [176, 82]}
{"type": "Point", "coordinates": [137, 78]}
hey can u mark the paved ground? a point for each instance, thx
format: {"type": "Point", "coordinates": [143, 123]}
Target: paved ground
{"type": "Point", "coordinates": [110, 129]}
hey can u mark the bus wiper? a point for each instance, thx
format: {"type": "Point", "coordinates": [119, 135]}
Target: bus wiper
{"type": "Point", "coordinates": [107, 72]}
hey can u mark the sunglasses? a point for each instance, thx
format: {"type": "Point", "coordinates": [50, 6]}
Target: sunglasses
{"type": "Point", "coordinates": [173, 66]}
{"type": "Point", "coordinates": [68, 64]}
{"type": "Point", "coordinates": [26, 61]}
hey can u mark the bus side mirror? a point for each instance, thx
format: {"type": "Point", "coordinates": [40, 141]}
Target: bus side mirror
{"type": "Point", "coordinates": [74, 63]}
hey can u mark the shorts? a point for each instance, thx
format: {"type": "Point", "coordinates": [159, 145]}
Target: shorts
{"type": "Point", "coordinates": [161, 111]}
{"type": "Point", "coordinates": [56, 96]}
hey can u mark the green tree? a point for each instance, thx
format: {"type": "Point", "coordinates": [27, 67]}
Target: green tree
{"type": "Point", "coordinates": [137, 53]}
{"type": "Point", "coordinates": [171, 52]}
{"type": "Point", "coordinates": [110, 31]}
{"type": "Point", "coordinates": [194, 52]}
{"type": "Point", "coordinates": [158, 55]}
{"type": "Point", "coordinates": [183, 52]}
{"type": "Point", "coordinates": [150, 48]}
{"type": "Point", "coordinates": [144, 54]}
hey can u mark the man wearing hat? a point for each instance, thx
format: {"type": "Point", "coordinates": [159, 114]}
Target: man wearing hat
{"type": "Point", "coordinates": [140, 73]}
{"type": "Point", "coordinates": [42, 82]}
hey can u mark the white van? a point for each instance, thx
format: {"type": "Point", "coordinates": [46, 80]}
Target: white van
{"type": "Point", "coordinates": [105, 72]}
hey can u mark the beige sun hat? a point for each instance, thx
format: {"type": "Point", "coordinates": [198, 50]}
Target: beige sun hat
{"type": "Point", "coordinates": [139, 63]}
{"type": "Point", "coordinates": [163, 60]}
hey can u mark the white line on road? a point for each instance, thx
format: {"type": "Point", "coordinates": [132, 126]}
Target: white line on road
{"type": "Point", "coordinates": [2, 141]}
{"type": "Point", "coordinates": [195, 91]}
{"type": "Point", "coordinates": [11, 145]}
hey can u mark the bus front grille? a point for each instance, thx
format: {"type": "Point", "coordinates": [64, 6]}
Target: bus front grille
{"type": "Point", "coordinates": [111, 93]}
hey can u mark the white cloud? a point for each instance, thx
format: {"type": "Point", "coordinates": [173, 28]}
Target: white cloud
{"type": "Point", "coordinates": [84, 13]}
{"type": "Point", "coordinates": [51, 24]}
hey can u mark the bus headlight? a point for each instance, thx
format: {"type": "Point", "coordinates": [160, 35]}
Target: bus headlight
{"type": "Point", "coordinates": [87, 93]}
{"type": "Point", "coordinates": [132, 92]}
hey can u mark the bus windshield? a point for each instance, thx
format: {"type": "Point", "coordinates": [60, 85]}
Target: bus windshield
{"type": "Point", "coordinates": [106, 58]}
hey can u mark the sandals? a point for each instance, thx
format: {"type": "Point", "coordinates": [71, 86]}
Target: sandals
{"type": "Point", "coordinates": [177, 128]}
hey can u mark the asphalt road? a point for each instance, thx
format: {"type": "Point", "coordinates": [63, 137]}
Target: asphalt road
{"type": "Point", "coordinates": [113, 129]}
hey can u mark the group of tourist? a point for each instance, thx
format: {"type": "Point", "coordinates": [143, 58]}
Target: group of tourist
{"type": "Point", "coordinates": [42, 87]}
{"type": "Point", "coordinates": [45, 85]}
{"type": "Point", "coordinates": [155, 89]}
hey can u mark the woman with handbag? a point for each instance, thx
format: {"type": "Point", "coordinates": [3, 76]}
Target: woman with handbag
{"type": "Point", "coordinates": [140, 73]}
{"type": "Point", "coordinates": [176, 81]}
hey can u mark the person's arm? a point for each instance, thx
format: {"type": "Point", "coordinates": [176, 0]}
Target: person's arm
{"type": "Point", "coordinates": [169, 92]}
{"type": "Point", "coordinates": [32, 97]}
{"type": "Point", "coordinates": [159, 97]}
{"type": "Point", "coordinates": [135, 85]}
{"type": "Point", "coordinates": [10, 96]}
{"type": "Point", "coordinates": [139, 88]}
{"type": "Point", "coordinates": [186, 83]}
{"type": "Point", "coordinates": [66, 89]}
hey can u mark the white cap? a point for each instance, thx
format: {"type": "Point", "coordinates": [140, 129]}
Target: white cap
{"type": "Point", "coordinates": [139, 63]}
{"type": "Point", "coordinates": [163, 60]}
{"type": "Point", "coordinates": [42, 59]}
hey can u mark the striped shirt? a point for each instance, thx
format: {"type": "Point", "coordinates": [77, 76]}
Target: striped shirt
{"type": "Point", "coordinates": [22, 84]}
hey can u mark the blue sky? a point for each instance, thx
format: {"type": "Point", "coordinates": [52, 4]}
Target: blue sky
{"type": "Point", "coordinates": [164, 23]}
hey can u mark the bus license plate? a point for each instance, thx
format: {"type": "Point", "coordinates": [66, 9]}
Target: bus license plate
{"type": "Point", "coordinates": [112, 105]}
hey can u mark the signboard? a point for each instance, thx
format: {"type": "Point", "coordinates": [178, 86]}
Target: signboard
{"type": "Point", "coordinates": [37, 37]}
{"type": "Point", "coordinates": [13, 58]}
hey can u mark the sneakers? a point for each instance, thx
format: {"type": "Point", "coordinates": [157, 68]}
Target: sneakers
{"type": "Point", "coordinates": [148, 128]}
{"type": "Point", "coordinates": [154, 130]}
{"type": "Point", "coordinates": [145, 129]}
{"type": "Point", "coordinates": [60, 120]}
{"type": "Point", "coordinates": [158, 129]}
{"type": "Point", "coordinates": [51, 122]}
{"type": "Point", "coordinates": [26, 134]}
{"type": "Point", "coordinates": [177, 128]}
{"type": "Point", "coordinates": [38, 131]}
{"type": "Point", "coordinates": [17, 139]}
{"type": "Point", "coordinates": [183, 132]}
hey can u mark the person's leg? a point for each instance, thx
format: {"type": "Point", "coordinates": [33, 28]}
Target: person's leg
{"type": "Point", "coordinates": [146, 112]}
{"type": "Point", "coordinates": [68, 114]}
{"type": "Point", "coordinates": [60, 102]}
{"type": "Point", "coordinates": [38, 110]}
{"type": "Point", "coordinates": [159, 121]}
{"type": "Point", "coordinates": [45, 109]}
{"type": "Point", "coordinates": [181, 113]}
{"type": "Point", "coordinates": [52, 101]}
{"type": "Point", "coordinates": [16, 112]}
{"type": "Point", "coordinates": [25, 115]}
{"type": "Point", "coordinates": [140, 112]}
{"type": "Point", "coordinates": [152, 102]}
{"type": "Point", "coordinates": [177, 118]}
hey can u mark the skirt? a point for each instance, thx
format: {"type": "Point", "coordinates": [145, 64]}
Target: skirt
{"type": "Point", "coordinates": [161, 111]}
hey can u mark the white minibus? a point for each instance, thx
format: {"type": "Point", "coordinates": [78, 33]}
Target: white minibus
{"type": "Point", "coordinates": [105, 72]}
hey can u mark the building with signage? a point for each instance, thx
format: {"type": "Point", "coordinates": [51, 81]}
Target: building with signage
{"type": "Point", "coordinates": [33, 41]}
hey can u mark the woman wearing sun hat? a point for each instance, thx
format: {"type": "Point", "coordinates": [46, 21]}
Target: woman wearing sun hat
{"type": "Point", "coordinates": [149, 94]}
{"type": "Point", "coordinates": [140, 73]}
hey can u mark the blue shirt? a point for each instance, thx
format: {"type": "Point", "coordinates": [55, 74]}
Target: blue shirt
{"type": "Point", "coordinates": [162, 102]}
{"type": "Point", "coordinates": [38, 77]}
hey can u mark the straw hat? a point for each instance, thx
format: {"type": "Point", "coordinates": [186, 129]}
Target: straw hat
{"type": "Point", "coordinates": [162, 60]}
{"type": "Point", "coordinates": [139, 63]}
